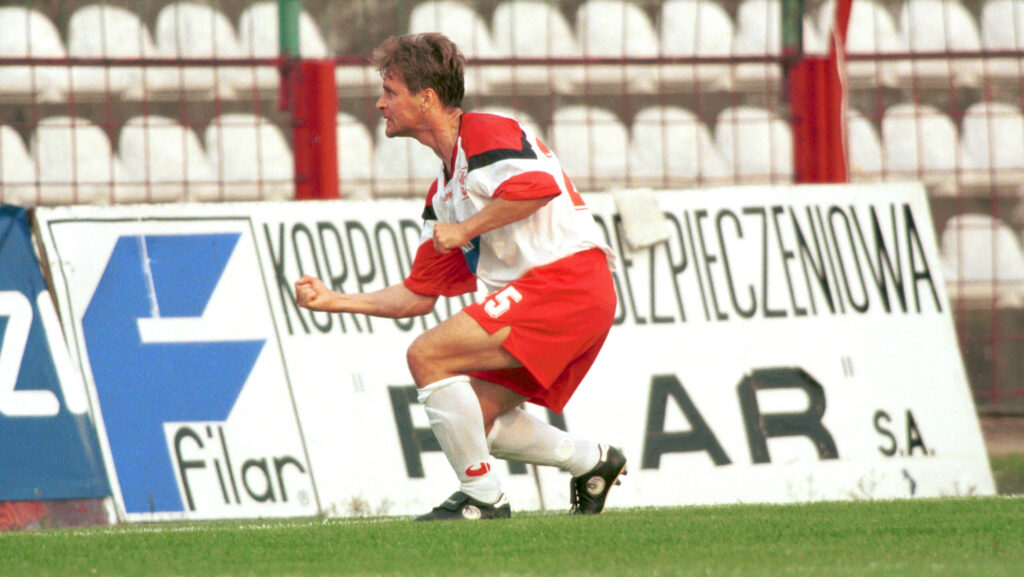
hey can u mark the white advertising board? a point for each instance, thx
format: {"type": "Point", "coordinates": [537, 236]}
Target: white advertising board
{"type": "Point", "coordinates": [784, 344]}
{"type": "Point", "coordinates": [170, 322]}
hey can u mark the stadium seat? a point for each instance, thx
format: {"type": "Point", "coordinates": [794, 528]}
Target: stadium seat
{"type": "Point", "coordinates": [615, 29]}
{"type": "Point", "coordinates": [251, 157]}
{"type": "Point", "coordinates": [920, 143]}
{"type": "Point", "coordinates": [17, 170]}
{"type": "Point", "coordinates": [195, 30]}
{"type": "Point", "coordinates": [517, 27]}
{"type": "Point", "coordinates": [695, 29]}
{"type": "Point", "coordinates": [756, 143]}
{"type": "Point", "coordinates": [592, 145]}
{"type": "Point", "coordinates": [992, 146]}
{"type": "Point", "coordinates": [937, 26]}
{"type": "Point", "coordinates": [355, 157]}
{"type": "Point", "coordinates": [27, 32]}
{"type": "Point", "coordinates": [758, 33]}
{"type": "Point", "coordinates": [466, 27]}
{"type": "Point", "coordinates": [402, 166]}
{"type": "Point", "coordinates": [982, 261]}
{"type": "Point", "coordinates": [75, 161]}
{"type": "Point", "coordinates": [864, 148]}
{"type": "Point", "coordinates": [357, 79]}
{"type": "Point", "coordinates": [107, 31]}
{"type": "Point", "coordinates": [258, 37]}
{"type": "Point", "coordinates": [671, 147]}
{"type": "Point", "coordinates": [870, 31]}
{"type": "Point", "coordinates": [1002, 29]}
{"type": "Point", "coordinates": [162, 161]}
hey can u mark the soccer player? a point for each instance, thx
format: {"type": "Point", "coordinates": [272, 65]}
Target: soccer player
{"type": "Point", "coordinates": [501, 212]}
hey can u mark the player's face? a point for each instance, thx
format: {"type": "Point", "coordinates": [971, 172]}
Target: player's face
{"type": "Point", "coordinates": [401, 109]}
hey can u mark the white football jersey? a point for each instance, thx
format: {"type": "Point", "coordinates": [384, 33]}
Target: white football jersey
{"type": "Point", "coordinates": [496, 157]}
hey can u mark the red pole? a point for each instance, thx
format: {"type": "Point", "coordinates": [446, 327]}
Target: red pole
{"type": "Point", "coordinates": [818, 105]}
{"type": "Point", "coordinates": [314, 103]}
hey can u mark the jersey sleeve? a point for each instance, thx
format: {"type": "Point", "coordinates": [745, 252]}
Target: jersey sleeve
{"type": "Point", "coordinates": [504, 161]}
{"type": "Point", "coordinates": [433, 273]}
{"type": "Point", "coordinates": [437, 274]}
{"type": "Point", "coordinates": [528, 185]}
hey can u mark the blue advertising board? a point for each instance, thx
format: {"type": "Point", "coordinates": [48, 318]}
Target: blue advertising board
{"type": "Point", "coordinates": [48, 444]}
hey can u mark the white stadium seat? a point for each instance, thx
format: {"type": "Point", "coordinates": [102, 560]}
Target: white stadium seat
{"type": "Point", "coordinates": [592, 145]}
{"type": "Point", "coordinates": [25, 32]}
{"type": "Point", "coordinates": [992, 145]}
{"type": "Point", "coordinates": [517, 25]}
{"type": "Point", "coordinates": [107, 31]}
{"type": "Point", "coordinates": [194, 30]}
{"type": "Point", "coordinates": [17, 171]}
{"type": "Point", "coordinates": [74, 160]}
{"type": "Point", "coordinates": [355, 157]}
{"type": "Point", "coordinates": [864, 148]}
{"type": "Point", "coordinates": [258, 37]}
{"type": "Point", "coordinates": [615, 29]}
{"type": "Point", "coordinates": [671, 147]}
{"type": "Point", "coordinates": [695, 28]}
{"type": "Point", "coordinates": [982, 260]}
{"type": "Point", "coordinates": [919, 143]}
{"type": "Point", "coordinates": [937, 26]}
{"type": "Point", "coordinates": [756, 143]}
{"type": "Point", "coordinates": [162, 161]}
{"type": "Point", "coordinates": [357, 79]}
{"type": "Point", "coordinates": [251, 157]}
{"type": "Point", "coordinates": [1002, 29]}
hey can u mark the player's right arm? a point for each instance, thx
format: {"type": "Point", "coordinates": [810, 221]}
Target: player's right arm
{"type": "Point", "coordinates": [395, 301]}
{"type": "Point", "coordinates": [433, 275]}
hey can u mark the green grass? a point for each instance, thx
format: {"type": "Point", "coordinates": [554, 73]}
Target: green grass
{"type": "Point", "coordinates": [1009, 474]}
{"type": "Point", "coordinates": [981, 537]}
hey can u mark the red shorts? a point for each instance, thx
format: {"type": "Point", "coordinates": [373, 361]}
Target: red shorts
{"type": "Point", "coordinates": [559, 315]}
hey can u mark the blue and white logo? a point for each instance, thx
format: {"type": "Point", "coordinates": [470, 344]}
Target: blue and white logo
{"type": "Point", "coordinates": [167, 384]}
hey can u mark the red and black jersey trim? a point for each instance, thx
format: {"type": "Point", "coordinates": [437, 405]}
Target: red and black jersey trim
{"type": "Point", "coordinates": [489, 157]}
{"type": "Point", "coordinates": [428, 210]}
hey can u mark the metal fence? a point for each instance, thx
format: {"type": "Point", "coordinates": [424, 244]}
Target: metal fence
{"type": "Point", "coordinates": [151, 101]}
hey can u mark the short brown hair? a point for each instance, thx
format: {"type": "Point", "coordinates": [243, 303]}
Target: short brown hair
{"type": "Point", "coordinates": [428, 60]}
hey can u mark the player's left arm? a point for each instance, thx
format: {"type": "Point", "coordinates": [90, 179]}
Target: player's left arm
{"type": "Point", "coordinates": [497, 213]}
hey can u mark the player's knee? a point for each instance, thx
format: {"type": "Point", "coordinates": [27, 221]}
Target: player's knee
{"type": "Point", "coordinates": [419, 357]}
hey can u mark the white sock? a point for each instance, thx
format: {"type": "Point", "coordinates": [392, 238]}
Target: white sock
{"type": "Point", "coordinates": [519, 436]}
{"type": "Point", "coordinates": [454, 414]}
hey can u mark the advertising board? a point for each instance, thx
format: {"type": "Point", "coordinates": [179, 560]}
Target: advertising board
{"type": "Point", "coordinates": [784, 344]}
{"type": "Point", "coordinates": [173, 330]}
{"type": "Point", "coordinates": [48, 445]}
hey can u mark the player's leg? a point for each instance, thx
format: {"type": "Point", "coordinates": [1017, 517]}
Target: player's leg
{"type": "Point", "coordinates": [560, 321]}
{"type": "Point", "coordinates": [456, 346]}
{"type": "Point", "coordinates": [578, 291]}
{"type": "Point", "coordinates": [438, 361]}
{"type": "Point", "coordinates": [517, 435]}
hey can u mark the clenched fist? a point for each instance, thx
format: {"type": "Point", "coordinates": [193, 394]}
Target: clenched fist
{"type": "Point", "coordinates": [448, 236]}
{"type": "Point", "coordinates": [312, 293]}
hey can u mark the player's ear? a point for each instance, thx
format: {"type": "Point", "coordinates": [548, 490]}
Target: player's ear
{"type": "Point", "coordinates": [428, 99]}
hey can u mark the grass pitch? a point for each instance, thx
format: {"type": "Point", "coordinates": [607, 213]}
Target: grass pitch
{"type": "Point", "coordinates": [981, 537]}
